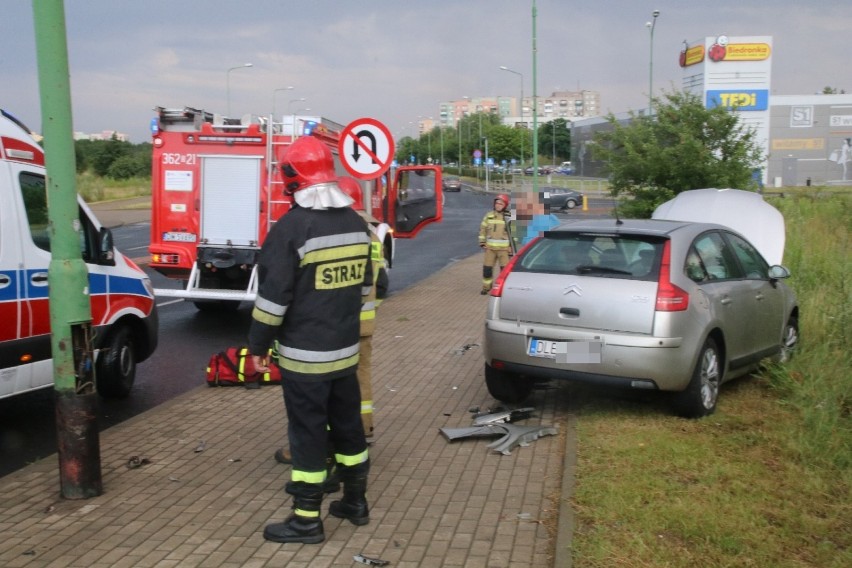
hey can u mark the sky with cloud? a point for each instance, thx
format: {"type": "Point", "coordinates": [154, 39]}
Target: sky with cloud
{"type": "Point", "coordinates": [394, 60]}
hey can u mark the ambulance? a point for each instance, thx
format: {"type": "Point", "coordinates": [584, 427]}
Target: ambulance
{"type": "Point", "coordinates": [124, 317]}
{"type": "Point", "coordinates": [216, 192]}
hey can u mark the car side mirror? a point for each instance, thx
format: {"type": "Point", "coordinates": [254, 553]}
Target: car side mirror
{"type": "Point", "coordinates": [106, 252]}
{"type": "Point", "coordinates": [778, 272]}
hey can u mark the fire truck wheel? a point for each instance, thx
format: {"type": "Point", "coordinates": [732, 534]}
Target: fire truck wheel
{"type": "Point", "coordinates": [116, 367]}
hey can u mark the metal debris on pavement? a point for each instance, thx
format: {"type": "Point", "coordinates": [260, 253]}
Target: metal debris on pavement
{"type": "Point", "coordinates": [465, 348]}
{"type": "Point", "coordinates": [519, 436]}
{"type": "Point", "coordinates": [370, 561]}
{"type": "Point", "coordinates": [495, 423]}
{"type": "Point", "coordinates": [471, 432]}
{"type": "Point", "coordinates": [136, 461]}
{"type": "Point", "coordinates": [504, 416]}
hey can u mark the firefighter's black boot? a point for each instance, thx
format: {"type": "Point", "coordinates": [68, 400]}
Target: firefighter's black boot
{"type": "Point", "coordinates": [304, 524]}
{"type": "Point", "coordinates": [353, 506]}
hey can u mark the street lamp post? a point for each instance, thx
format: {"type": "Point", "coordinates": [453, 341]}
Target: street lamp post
{"type": "Point", "coordinates": [486, 165]}
{"type": "Point", "coordinates": [651, 25]}
{"type": "Point", "coordinates": [293, 115]}
{"type": "Point", "coordinates": [441, 132]}
{"type": "Point", "coordinates": [523, 124]}
{"type": "Point", "coordinates": [429, 134]}
{"type": "Point", "coordinates": [276, 91]}
{"type": "Point", "coordinates": [228, 85]}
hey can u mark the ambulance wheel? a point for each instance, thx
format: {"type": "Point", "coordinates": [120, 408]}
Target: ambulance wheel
{"type": "Point", "coordinates": [116, 367]}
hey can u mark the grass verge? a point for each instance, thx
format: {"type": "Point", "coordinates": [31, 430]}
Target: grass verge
{"type": "Point", "coordinates": [765, 481]}
{"type": "Point", "coordinates": [95, 188]}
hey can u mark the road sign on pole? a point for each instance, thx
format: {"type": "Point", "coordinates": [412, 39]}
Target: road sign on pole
{"type": "Point", "coordinates": [366, 148]}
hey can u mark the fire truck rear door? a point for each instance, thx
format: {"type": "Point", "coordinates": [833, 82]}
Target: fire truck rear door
{"type": "Point", "coordinates": [230, 200]}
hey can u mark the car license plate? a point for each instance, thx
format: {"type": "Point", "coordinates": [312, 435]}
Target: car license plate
{"type": "Point", "coordinates": [566, 351]}
{"type": "Point", "coordinates": [179, 237]}
{"type": "Point", "coordinates": [543, 348]}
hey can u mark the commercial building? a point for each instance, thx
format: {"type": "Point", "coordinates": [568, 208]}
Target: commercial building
{"type": "Point", "coordinates": [805, 139]}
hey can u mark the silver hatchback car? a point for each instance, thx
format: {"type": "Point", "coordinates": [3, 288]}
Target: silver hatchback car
{"type": "Point", "coordinates": [644, 304]}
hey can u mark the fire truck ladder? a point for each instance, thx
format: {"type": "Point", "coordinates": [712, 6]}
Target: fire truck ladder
{"type": "Point", "coordinates": [274, 185]}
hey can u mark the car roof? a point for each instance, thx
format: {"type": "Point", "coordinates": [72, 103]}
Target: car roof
{"type": "Point", "coordinates": [654, 227]}
{"type": "Point", "coordinates": [743, 211]}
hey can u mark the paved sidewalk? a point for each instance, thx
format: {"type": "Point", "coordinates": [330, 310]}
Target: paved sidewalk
{"type": "Point", "coordinates": [433, 503]}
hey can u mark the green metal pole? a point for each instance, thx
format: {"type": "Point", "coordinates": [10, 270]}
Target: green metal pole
{"type": "Point", "coordinates": [535, 103]}
{"type": "Point", "coordinates": [529, 209]}
{"type": "Point", "coordinates": [70, 307]}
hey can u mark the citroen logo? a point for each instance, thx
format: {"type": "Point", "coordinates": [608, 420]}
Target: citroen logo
{"type": "Point", "coordinates": [573, 288]}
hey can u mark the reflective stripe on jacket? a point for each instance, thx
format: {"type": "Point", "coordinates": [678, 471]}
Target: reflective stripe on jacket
{"type": "Point", "coordinates": [313, 270]}
{"type": "Point", "coordinates": [368, 309]}
{"type": "Point", "coordinates": [493, 231]}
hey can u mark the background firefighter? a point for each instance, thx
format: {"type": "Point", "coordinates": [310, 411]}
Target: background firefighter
{"type": "Point", "coordinates": [494, 238]}
{"type": "Point", "coordinates": [313, 271]}
{"type": "Point", "coordinates": [368, 310]}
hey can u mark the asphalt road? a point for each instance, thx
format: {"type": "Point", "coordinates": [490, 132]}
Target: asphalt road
{"type": "Point", "coordinates": [188, 337]}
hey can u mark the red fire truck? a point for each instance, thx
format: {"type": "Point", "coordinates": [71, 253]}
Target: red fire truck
{"type": "Point", "coordinates": [216, 192]}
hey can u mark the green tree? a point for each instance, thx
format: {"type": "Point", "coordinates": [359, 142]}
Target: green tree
{"type": "Point", "coordinates": [105, 152]}
{"type": "Point", "coordinates": [683, 146]}
{"type": "Point", "coordinates": [554, 141]}
{"type": "Point", "coordinates": [833, 91]}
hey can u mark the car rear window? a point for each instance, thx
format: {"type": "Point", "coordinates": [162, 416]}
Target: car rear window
{"type": "Point", "coordinates": [612, 256]}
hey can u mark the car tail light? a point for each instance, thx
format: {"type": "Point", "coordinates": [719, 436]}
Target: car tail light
{"type": "Point", "coordinates": [670, 298]}
{"type": "Point", "coordinates": [497, 287]}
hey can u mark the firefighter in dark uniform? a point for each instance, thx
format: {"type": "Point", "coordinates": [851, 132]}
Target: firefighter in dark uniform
{"type": "Point", "coordinates": [494, 238]}
{"type": "Point", "coordinates": [313, 269]}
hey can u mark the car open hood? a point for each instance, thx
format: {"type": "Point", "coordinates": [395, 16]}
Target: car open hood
{"type": "Point", "coordinates": [743, 211]}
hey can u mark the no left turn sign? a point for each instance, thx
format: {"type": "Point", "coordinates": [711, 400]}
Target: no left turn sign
{"type": "Point", "coordinates": [366, 148]}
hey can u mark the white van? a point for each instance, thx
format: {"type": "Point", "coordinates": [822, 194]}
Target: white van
{"type": "Point", "coordinates": [124, 316]}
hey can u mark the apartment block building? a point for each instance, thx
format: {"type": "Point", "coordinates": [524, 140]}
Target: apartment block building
{"type": "Point", "coordinates": [568, 105]}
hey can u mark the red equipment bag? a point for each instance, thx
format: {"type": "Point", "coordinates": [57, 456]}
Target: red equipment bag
{"type": "Point", "coordinates": [234, 367]}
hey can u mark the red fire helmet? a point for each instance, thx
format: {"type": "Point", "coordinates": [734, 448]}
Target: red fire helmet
{"type": "Point", "coordinates": [306, 162]}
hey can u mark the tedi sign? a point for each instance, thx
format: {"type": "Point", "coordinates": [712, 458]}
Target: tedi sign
{"type": "Point", "coordinates": [731, 72]}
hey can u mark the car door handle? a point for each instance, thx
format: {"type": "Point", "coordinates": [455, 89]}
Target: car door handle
{"type": "Point", "coordinates": [38, 278]}
{"type": "Point", "coordinates": [759, 296]}
{"type": "Point", "coordinates": [725, 301]}
{"type": "Point", "coordinates": [571, 312]}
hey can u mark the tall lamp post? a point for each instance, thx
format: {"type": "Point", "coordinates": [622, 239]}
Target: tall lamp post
{"type": "Point", "coordinates": [441, 132]}
{"type": "Point", "coordinates": [651, 25]}
{"type": "Point", "coordinates": [276, 91]}
{"type": "Point", "coordinates": [228, 84]}
{"type": "Point", "coordinates": [504, 68]}
{"type": "Point", "coordinates": [467, 108]}
{"type": "Point", "coordinates": [293, 114]}
{"type": "Point", "coordinates": [431, 127]}
{"type": "Point", "coordinates": [458, 130]}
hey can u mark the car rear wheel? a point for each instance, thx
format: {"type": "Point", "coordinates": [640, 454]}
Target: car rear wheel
{"type": "Point", "coordinates": [116, 367]}
{"type": "Point", "coordinates": [701, 394]}
{"type": "Point", "coordinates": [507, 387]}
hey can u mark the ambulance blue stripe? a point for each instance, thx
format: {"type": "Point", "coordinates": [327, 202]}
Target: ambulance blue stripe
{"type": "Point", "coordinates": [9, 289]}
{"type": "Point", "coordinates": [98, 285]}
